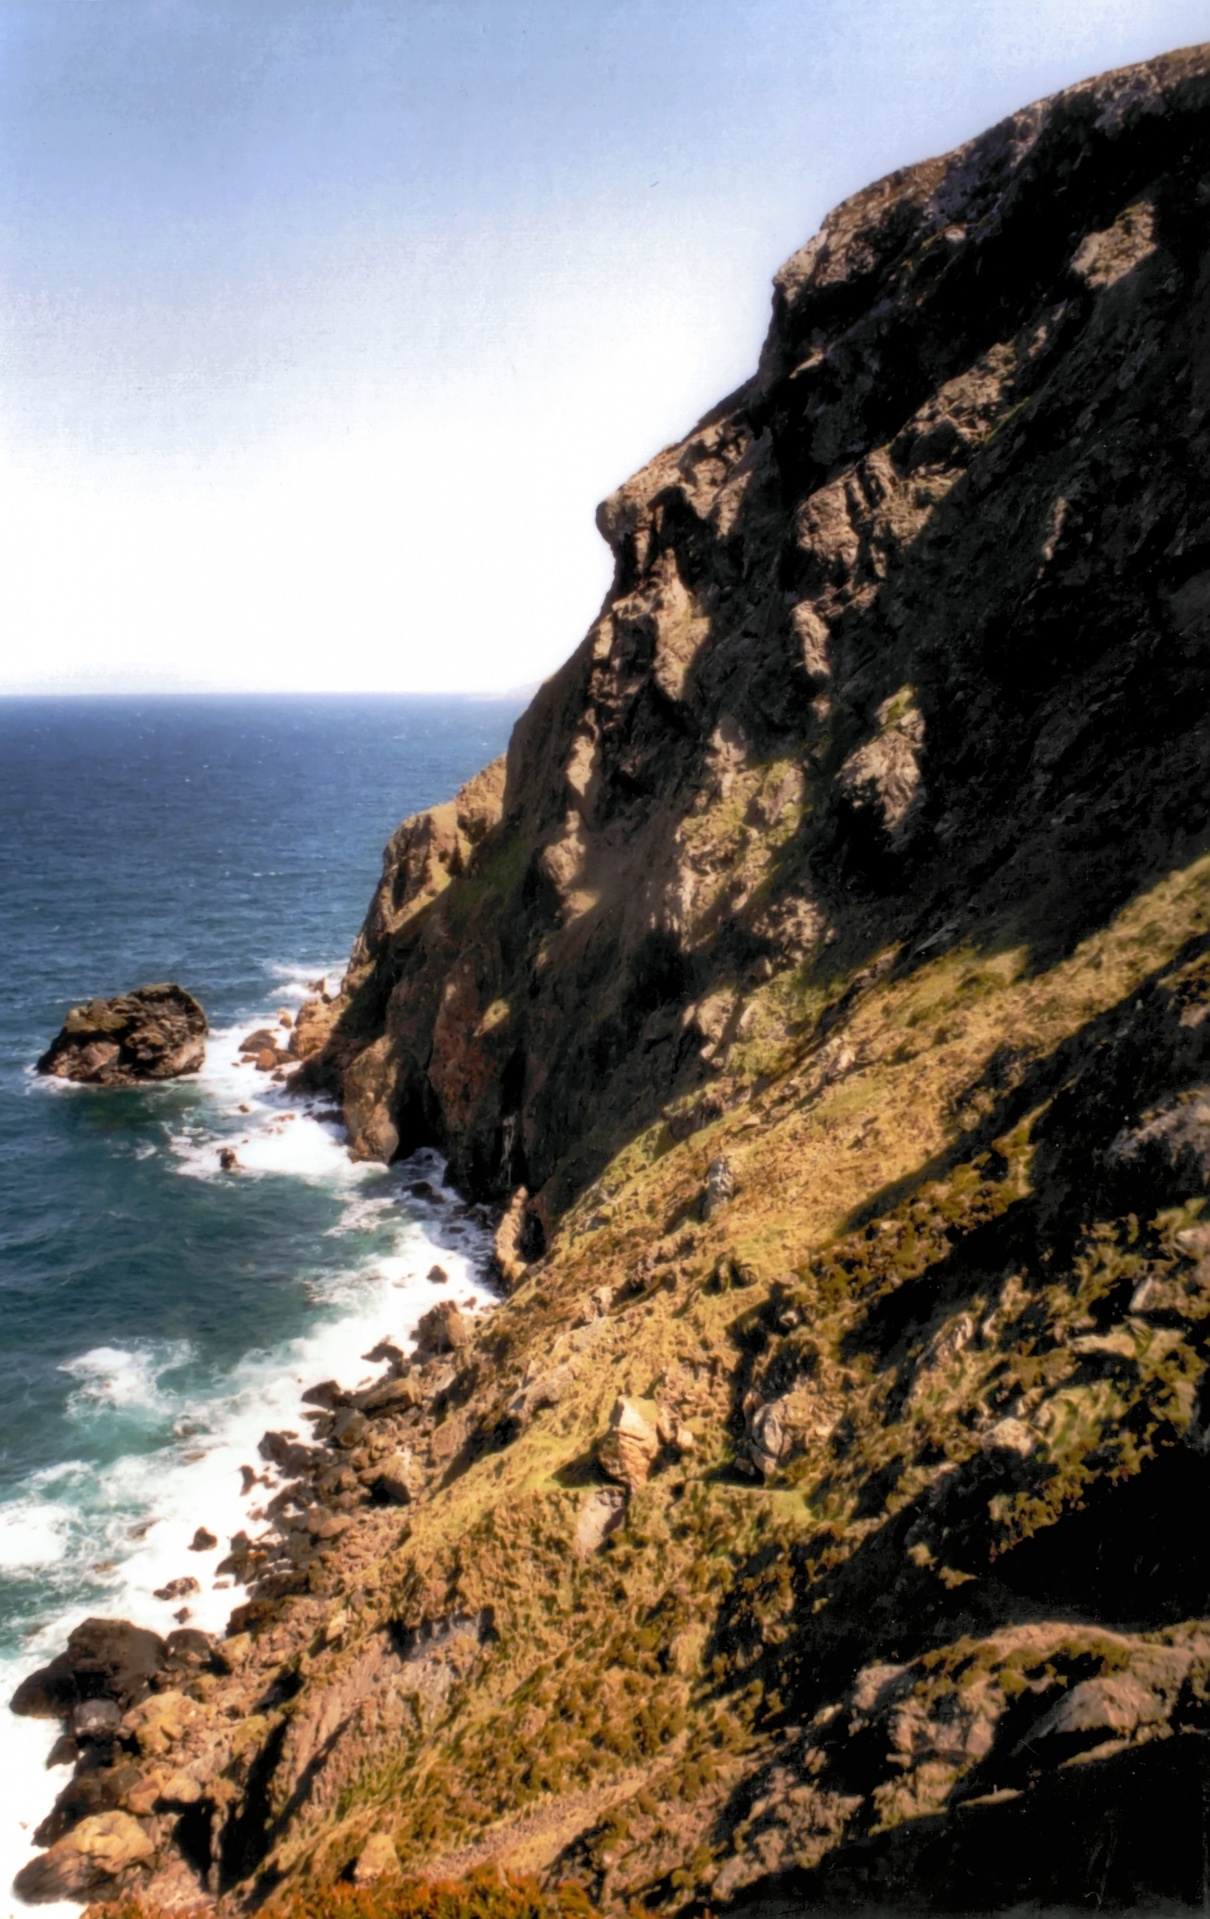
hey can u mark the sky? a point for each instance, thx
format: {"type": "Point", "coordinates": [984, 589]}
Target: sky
{"type": "Point", "coordinates": [325, 324]}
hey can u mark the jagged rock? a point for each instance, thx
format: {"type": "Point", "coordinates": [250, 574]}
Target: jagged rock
{"type": "Point", "coordinates": [154, 1033]}
{"type": "Point", "coordinates": [263, 1040]}
{"type": "Point", "coordinates": [349, 1428]}
{"type": "Point", "coordinates": [507, 1245]}
{"type": "Point", "coordinates": [628, 1451]}
{"type": "Point", "coordinates": [93, 1853]}
{"type": "Point", "coordinates": [396, 1481]}
{"type": "Point", "coordinates": [778, 1428]}
{"type": "Point", "coordinates": [376, 1861]}
{"type": "Point", "coordinates": [228, 1159]}
{"type": "Point", "coordinates": [445, 1328]}
{"type": "Point", "coordinates": [326, 1525]}
{"type": "Point", "coordinates": [1112, 1706]}
{"type": "Point", "coordinates": [538, 1394]}
{"type": "Point", "coordinates": [390, 1396]}
{"type": "Point", "coordinates": [95, 1719]}
{"type": "Point", "coordinates": [449, 1438]}
{"type": "Point", "coordinates": [1010, 1436]}
{"type": "Point", "coordinates": [602, 1513]}
{"type": "Point", "coordinates": [105, 1659]}
{"type": "Point", "coordinates": [719, 1187]}
{"type": "Point", "coordinates": [203, 1541]}
{"type": "Point", "coordinates": [178, 1588]}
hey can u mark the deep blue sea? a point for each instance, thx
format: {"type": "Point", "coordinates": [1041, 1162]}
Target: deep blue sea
{"type": "Point", "coordinates": [155, 1314]}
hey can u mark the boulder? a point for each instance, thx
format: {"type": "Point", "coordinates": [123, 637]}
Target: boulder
{"type": "Point", "coordinates": [154, 1033]}
{"type": "Point", "coordinates": [628, 1450]}
{"type": "Point", "coordinates": [377, 1860]}
{"type": "Point", "coordinates": [719, 1187]}
{"type": "Point", "coordinates": [93, 1852]}
{"type": "Point", "coordinates": [397, 1481]}
{"type": "Point", "coordinates": [95, 1719]}
{"type": "Point", "coordinates": [443, 1329]}
{"type": "Point", "coordinates": [390, 1396]}
{"type": "Point", "coordinates": [105, 1659]}
{"type": "Point", "coordinates": [601, 1514]}
{"type": "Point", "coordinates": [449, 1439]}
{"type": "Point", "coordinates": [259, 1042]}
{"type": "Point", "coordinates": [178, 1588]}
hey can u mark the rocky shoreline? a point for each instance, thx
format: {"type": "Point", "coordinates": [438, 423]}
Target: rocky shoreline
{"type": "Point", "coordinates": [149, 1724]}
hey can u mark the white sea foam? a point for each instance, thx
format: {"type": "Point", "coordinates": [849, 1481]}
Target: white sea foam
{"type": "Point", "coordinates": [113, 1379]}
{"type": "Point", "coordinates": [127, 1534]}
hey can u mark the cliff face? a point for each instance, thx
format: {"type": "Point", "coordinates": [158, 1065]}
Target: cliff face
{"type": "Point", "coordinates": [819, 1517]}
{"type": "Point", "coordinates": [906, 642]}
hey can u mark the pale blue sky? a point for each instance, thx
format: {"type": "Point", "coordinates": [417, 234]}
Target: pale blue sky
{"type": "Point", "coordinates": [327, 322]}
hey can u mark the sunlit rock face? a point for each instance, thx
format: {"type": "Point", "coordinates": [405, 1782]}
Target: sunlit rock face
{"type": "Point", "coordinates": [154, 1033]}
{"type": "Point", "coordinates": [912, 627]}
{"type": "Point", "coordinates": [821, 987]}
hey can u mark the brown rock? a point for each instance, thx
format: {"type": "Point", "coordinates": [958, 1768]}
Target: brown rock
{"type": "Point", "coordinates": [445, 1328]}
{"type": "Point", "coordinates": [507, 1245]}
{"type": "Point", "coordinates": [390, 1396]}
{"type": "Point", "coordinates": [376, 1861]}
{"type": "Point", "coordinates": [628, 1450]}
{"type": "Point", "coordinates": [91, 1855]}
{"type": "Point", "coordinates": [263, 1040]}
{"type": "Point", "coordinates": [154, 1033]}
{"type": "Point", "coordinates": [448, 1439]}
{"type": "Point", "coordinates": [202, 1541]}
{"type": "Point", "coordinates": [396, 1481]}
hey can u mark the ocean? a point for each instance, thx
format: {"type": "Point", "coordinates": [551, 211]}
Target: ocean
{"type": "Point", "coordinates": [156, 1315]}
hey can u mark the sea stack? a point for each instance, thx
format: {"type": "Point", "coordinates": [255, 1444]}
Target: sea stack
{"type": "Point", "coordinates": [154, 1033]}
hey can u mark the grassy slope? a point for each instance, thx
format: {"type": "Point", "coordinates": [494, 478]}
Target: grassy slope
{"type": "Point", "coordinates": [628, 1694]}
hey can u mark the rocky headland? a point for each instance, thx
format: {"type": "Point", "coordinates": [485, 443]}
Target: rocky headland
{"type": "Point", "coordinates": [154, 1033]}
{"type": "Point", "coordinates": [820, 988]}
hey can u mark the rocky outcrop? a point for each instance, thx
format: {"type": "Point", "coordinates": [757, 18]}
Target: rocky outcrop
{"type": "Point", "coordinates": [907, 632]}
{"type": "Point", "coordinates": [154, 1033]}
{"type": "Point", "coordinates": [824, 984]}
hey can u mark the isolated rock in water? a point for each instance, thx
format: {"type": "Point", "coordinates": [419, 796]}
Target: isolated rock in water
{"type": "Point", "coordinates": [156, 1032]}
{"type": "Point", "coordinates": [228, 1159]}
{"type": "Point", "coordinates": [263, 1040]}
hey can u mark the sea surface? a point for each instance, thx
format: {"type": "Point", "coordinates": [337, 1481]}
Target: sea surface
{"type": "Point", "coordinates": [156, 1315]}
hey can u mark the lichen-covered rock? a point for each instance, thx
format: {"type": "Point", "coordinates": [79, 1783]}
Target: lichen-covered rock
{"type": "Point", "coordinates": [153, 1033]}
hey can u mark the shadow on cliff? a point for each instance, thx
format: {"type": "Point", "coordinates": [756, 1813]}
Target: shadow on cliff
{"type": "Point", "coordinates": [1127, 1833]}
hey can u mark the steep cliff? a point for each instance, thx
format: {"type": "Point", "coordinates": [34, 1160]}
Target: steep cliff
{"type": "Point", "coordinates": [819, 1517]}
{"type": "Point", "coordinates": [905, 642]}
